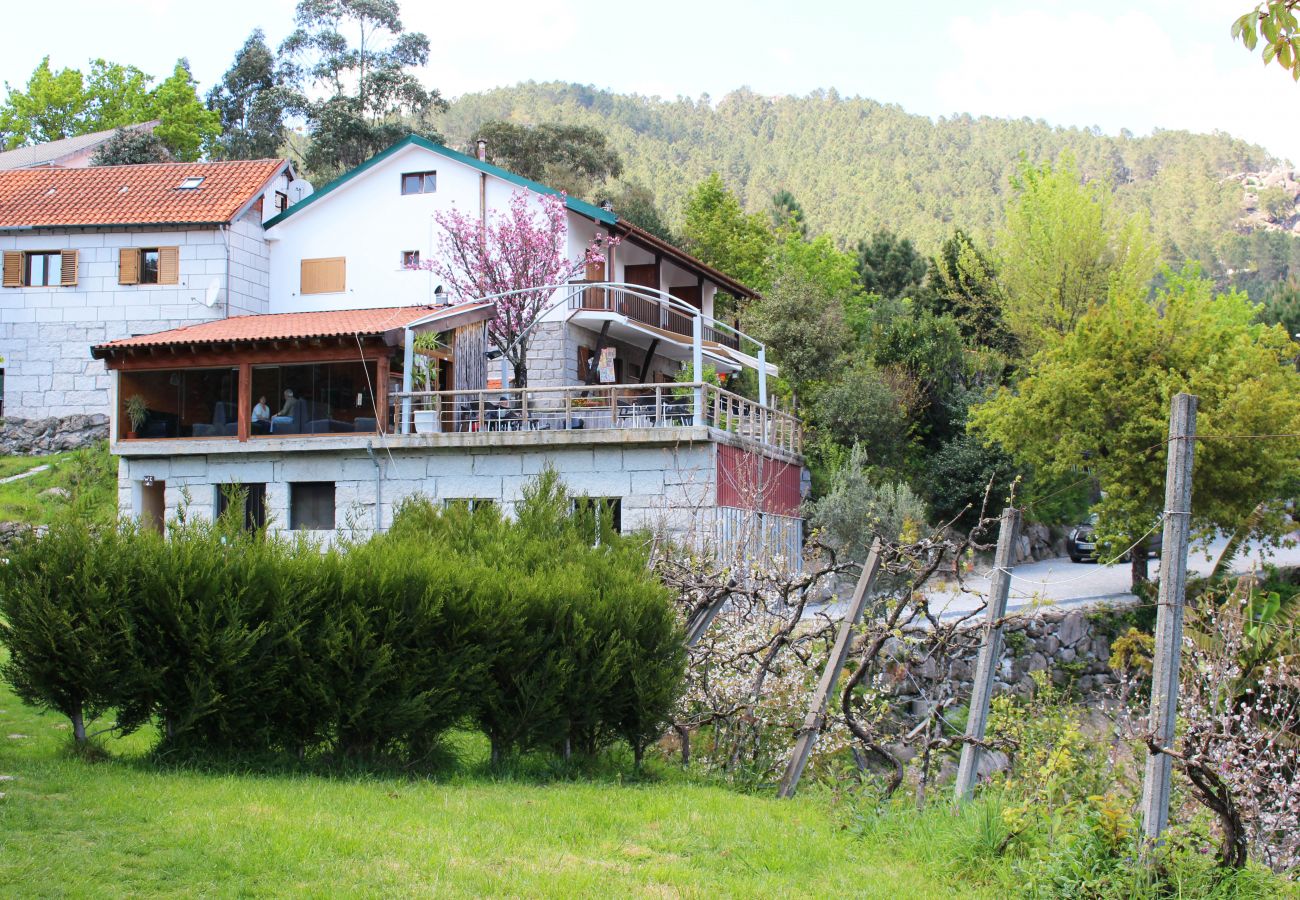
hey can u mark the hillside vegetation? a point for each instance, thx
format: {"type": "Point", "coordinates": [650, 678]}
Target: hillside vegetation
{"type": "Point", "coordinates": [856, 165]}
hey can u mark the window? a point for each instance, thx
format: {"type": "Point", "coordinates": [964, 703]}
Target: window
{"type": "Point", "coordinates": [149, 265]}
{"type": "Point", "coordinates": [324, 276]}
{"type": "Point", "coordinates": [40, 268]}
{"type": "Point", "coordinates": [410, 258]}
{"type": "Point", "coordinates": [281, 201]}
{"type": "Point", "coordinates": [419, 182]}
{"type": "Point", "coordinates": [311, 505]}
{"type": "Point", "coordinates": [254, 499]}
{"type": "Point", "coordinates": [191, 184]}
{"type": "Point", "coordinates": [43, 269]}
{"type": "Point", "coordinates": [470, 504]}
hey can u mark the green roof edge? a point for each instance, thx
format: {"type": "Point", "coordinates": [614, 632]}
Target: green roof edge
{"type": "Point", "coordinates": [579, 206]}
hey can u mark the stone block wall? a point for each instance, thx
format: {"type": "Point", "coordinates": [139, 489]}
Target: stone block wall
{"type": "Point", "coordinates": [24, 437]}
{"type": "Point", "coordinates": [46, 332]}
{"type": "Point", "coordinates": [553, 357]}
{"type": "Point", "coordinates": [661, 487]}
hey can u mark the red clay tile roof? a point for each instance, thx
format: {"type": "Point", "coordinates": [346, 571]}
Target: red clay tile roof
{"type": "Point", "coordinates": [290, 326]}
{"type": "Point", "coordinates": [130, 195]}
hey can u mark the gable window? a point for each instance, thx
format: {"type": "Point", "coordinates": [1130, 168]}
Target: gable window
{"type": "Point", "coordinates": [148, 265]}
{"type": "Point", "coordinates": [410, 259]}
{"type": "Point", "coordinates": [281, 201]}
{"type": "Point", "coordinates": [311, 505]}
{"type": "Point", "coordinates": [323, 276]}
{"type": "Point", "coordinates": [419, 182]}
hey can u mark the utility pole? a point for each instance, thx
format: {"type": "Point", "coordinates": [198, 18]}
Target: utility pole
{"type": "Point", "coordinates": [816, 718]}
{"type": "Point", "coordinates": [990, 653]}
{"type": "Point", "coordinates": [1169, 613]}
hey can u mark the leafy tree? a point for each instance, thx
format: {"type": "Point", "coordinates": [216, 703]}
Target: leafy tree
{"type": "Point", "coordinates": [1063, 248]}
{"type": "Point", "coordinates": [185, 125]}
{"type": "Point", "coordinates": [1276, 22]}
{"type": "Point", "coordinates": [635, 203]}
{"type": "Point", "coordinates": [869, 406]}
{"type": "Point", "coordinates": [818, 260]}
{"type": "Point", "coordinates": [962, 282]}
{"type": "Point", "coordinates": [251, 99]}
{"type": "Point", "coordinates": [117, 96]}
{"type": "Point", "coordinates": [802, 321]}
{"type": "Point", "coordinates": [722, 234]}
{"type": "Point", "coordinates": [53, 106]}
{"type": "Point", "coordinates": [1098, 400]}
{"type": "Point", "coordinates": [788, 214]}
{"type": "Point", "coordinates": [371, 98]}
{"type": "Point", "coordinates": [573, 158]}
{"type": "Point", "coordinates": [860, 505]}
{"type": "Point", "coordinates": [1282, 307]}
{"type": "Point", "coordinates": [959, 476]}
{"type": "Point", "coordinates": [129, 147]}
{"type": "Point", "coordinates": [889, 265]}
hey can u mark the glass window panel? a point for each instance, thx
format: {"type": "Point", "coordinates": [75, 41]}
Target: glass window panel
{"type": "Point", "coordinates": [430, 182]}
{"type": "Point", "coordinates": [316, 398]}
{"type": "Point", "coordinates": [411, 183]}
{"type": "Point", "coordinates": [184, 403]}
{"type": "Point", "coordinates": [148, 266]}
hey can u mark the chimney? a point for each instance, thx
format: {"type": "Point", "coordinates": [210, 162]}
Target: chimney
{"type": "Point", "coordinates": [482, 150]}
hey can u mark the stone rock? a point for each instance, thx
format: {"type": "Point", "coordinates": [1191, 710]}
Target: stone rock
{"type": "Point", "coordinates": [991, 762]}
{"type": "Point", "coordinates": [1037, 662]}
{"type": "Point", "coordinates": [27, 437]}
{"type": "Point", "coordinates": [1067, 655]}
{"type": "Point", "coordinates": [1085, 684]}
{"type": "Point", "coordinates": [1072, 629]}
{"type": "Point", "coordinates": [12, 531]}
{"type": "Point", "coordinates": [1024, 688]}
{"type": "Point", "coordinates": [58, 492]}
{"type": "Point", "coordinates": [1051, 645]}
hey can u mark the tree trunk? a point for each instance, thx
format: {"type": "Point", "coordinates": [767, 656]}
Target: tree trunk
{"type": "Point", "coordinates": [638, 755]}
{"type": "Point", "coordinates": [78, 727]}
{"type": "Point", "coordinates": [684, 734]}
{"type": "Point", "coordinates": [1138, 565]}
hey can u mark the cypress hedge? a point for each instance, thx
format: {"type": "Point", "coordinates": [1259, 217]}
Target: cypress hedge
{"type": "Point", "coordinates": [546, 632]}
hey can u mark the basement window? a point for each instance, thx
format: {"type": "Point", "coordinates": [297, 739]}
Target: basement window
{"type": "Point", "coordinates": [419, 182]}
{"type": "Point", "coordinates": [605, 512]}
{"type": "Point", "coordinates": [311, 506]}
{"type": "Point", "coordinates": [254, 502]}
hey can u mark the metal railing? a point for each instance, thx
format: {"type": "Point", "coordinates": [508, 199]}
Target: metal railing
{"type": "Point", "coordinates": [641, 306]}
{"type": "Point", "coordinates": [593, 407]}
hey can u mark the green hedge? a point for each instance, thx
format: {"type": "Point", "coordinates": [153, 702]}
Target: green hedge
{"type": "Point", "coordinates": [544, 631]}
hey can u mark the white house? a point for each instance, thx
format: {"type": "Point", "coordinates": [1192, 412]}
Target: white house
{"type": "Point", "coordinates": [322, 404]}
{"type": "Point", "coordinates": [96, 254]}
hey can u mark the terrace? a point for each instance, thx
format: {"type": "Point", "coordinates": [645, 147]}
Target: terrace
{"type": "Point", "coordinates": [340, 378]}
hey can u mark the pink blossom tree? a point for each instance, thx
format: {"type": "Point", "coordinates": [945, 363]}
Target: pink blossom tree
{"type": "Point", "coordinates": [522, 251]}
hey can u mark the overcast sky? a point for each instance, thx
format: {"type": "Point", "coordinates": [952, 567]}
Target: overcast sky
{"type": "Point", "coordinates": [1138, 65]}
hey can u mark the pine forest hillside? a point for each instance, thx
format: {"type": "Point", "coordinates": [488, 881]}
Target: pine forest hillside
{"type": "Point", "coordinates": [856, 165]}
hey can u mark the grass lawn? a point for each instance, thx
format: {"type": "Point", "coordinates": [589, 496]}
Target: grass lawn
{"type": "Point", "coordinates": [126, 826]}
{"type": "Point", "coordinates": [90, 475]}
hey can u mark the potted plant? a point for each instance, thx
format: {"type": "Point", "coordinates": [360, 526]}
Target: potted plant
{"type": "Point", "coordinates": [424, 377]}
{"type": "Point", "coordinates": [137, 412]}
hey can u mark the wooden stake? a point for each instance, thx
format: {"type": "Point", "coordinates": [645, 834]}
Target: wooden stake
{"type": "Point", "coordinates": [816, 718]}
{"type": "Point", "coordinates": [1169, 612]}
{"type": "Point", "coordinates": [990, 652]}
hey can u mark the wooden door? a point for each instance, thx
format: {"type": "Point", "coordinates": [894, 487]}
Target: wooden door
{"type": "Point", "coordinates": [594, 298]}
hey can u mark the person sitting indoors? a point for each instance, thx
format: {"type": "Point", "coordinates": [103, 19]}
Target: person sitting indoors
{"type": "Point", "coordinates": [283, 420]}
{"type": "Point", "coordinates": [261, 416]}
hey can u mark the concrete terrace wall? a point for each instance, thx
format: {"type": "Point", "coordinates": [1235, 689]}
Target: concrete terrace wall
{"type": "Point", "coordinates": [660, 486]}
{"type": "Point", "coordinates": [46, 332]}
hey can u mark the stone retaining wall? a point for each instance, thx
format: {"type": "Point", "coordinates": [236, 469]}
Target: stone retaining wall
{"type": "Point", "coordinates": [1072, 645]}
{"type": "Point", "coordinates": [35, 437]}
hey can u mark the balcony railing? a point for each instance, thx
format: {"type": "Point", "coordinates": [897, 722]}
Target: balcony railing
{"type": "Point", "coordinates": [594, 407]}
{"type": "Point", "coordinates": [648, 310]}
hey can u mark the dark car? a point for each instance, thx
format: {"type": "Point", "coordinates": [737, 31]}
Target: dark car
{"type": "Point", "coordinates": [1081, 542]}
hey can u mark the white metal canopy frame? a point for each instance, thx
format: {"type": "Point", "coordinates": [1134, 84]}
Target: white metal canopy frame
{"type": "Point", "coordinates": [568, 291]}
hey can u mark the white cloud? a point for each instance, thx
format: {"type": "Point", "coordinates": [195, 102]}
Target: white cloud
{"type": "Point", "coordinates": [1122, 70]}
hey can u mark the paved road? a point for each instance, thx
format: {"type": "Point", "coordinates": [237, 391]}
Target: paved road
{"type": "Point", "coordinates": [1060, 582]}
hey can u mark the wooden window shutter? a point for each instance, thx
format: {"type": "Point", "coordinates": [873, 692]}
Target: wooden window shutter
{"type": "Point", "coordinates": [13, 268]}
{"type": "Point", "coordinates": [68, 269]}
{"type": "Point", "coordinates": [169, 265]}
{"type": "Point", "coordinates": [128, 266]}
{"type": "Point", "coordinates": [324, 276]}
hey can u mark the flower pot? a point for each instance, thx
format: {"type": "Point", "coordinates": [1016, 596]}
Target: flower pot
{"type": "Point", "coordinates": [130, 435]}
{"type": "Point", "coordinates": [426, 421]}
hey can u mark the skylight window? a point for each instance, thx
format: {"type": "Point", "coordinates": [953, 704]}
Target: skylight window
{"type": "Point", "coordinates": [192, 183]}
